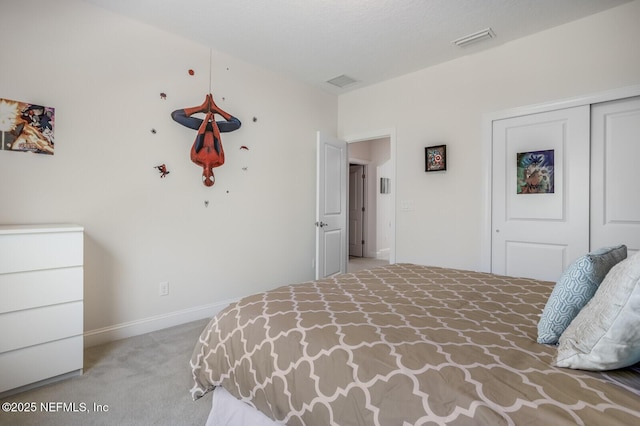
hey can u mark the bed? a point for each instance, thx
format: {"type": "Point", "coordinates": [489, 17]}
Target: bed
{"type": "Point", "coordinates": [402, 344]}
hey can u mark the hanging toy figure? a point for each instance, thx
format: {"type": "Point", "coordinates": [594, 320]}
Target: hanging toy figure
{"type": "Point", "coordinates": [207, 149]}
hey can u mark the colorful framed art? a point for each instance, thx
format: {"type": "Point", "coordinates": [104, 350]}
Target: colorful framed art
{"type": "Point", "coordinates": [435, 158]}
{"type": "Point", "coordinates": [536, 171]}
{"type": "Point", "coordinates": [26, 127]}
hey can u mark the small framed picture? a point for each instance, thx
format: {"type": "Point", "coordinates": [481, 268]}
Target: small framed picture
{"type": "Point", "coordinates": [384, 185]}
{"type": "Point", "coordinates": [435, 158]}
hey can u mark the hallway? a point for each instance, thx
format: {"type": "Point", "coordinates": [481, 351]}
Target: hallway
{"type": "Point", "coordinates": [358, 263]}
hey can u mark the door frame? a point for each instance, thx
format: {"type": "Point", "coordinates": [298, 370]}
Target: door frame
{"type": "Point", "coordinates": [379, 134]}
{"type": "Point", "coordinates": [487, 155]}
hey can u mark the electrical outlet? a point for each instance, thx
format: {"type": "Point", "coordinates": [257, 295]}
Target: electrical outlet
{"type": "Point", "coordinates": [163, 288]}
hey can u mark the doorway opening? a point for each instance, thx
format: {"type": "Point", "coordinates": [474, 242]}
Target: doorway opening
{"type": "Point", "coordinates": [370, 204]}
{"type": "Point", "coordinates": [357, 184]}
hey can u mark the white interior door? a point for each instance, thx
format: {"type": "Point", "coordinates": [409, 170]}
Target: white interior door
{"type": "Point", "coordinates": [356, 210]}
{"type": "Point", "coordinates": [539, 234]}
{"type": "Point", "coordinates": [331, 207]}
{"type": "Point", "coordinates": [615, 197]}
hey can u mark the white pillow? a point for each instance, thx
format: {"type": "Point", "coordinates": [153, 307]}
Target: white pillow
{"type": "Point", "coordinates": [605, 335]}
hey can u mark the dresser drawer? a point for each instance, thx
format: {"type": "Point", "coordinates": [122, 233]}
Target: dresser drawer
{"type": "Point", "coordinates": [24, 290]}
{"type": "Point", "coordinates": [39, 325]}
{"type": "Point", "coordinates": [40, 362]}
{"type": "Point", "coordinates": [40, 250]}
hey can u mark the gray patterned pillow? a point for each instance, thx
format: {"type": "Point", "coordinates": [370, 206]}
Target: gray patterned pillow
{"type": "Point", "coordinates": [605, 335]}
{"type": "Point", "coordinates": [574, 289]}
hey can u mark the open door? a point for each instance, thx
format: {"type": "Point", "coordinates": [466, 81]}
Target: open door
{"type": "Point", "coordinates": [331, 207]}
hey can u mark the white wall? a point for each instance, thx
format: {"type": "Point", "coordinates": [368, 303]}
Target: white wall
{"type": "Point", "coordinates": [445, 104]}
{"type": "Point", "coordinates": [104, 75]}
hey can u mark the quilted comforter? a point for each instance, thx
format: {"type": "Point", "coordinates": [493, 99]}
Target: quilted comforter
{"type": "Point", "coordinates": [403, 345]}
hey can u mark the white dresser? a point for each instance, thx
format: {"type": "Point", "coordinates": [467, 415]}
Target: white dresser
{"type": "Point", "coordinates": [41, 304]}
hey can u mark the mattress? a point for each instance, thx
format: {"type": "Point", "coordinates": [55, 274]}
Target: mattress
{"type": "Point", "coordinates": [403, 344]}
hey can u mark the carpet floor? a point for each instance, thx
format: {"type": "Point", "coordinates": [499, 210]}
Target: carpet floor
{"type": "Point", "coordinates": [142, 380]}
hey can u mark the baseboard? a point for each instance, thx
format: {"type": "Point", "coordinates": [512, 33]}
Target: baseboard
{"type": "Point", "coordinates": [383, 254]}
{"type": "Point", "coordinates": [147, 325]}
{"type": "Point", "coordinates": [37, 384]}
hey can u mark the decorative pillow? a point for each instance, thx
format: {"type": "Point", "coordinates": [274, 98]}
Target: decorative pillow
{"type": "Point", "coordinates": [605, 335]}
{"type": "Point", "coordinates": [574, 289]}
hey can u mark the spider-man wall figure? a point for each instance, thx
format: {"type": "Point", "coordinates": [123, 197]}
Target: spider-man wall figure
{"type": "Point", "coordinates": [207, 149]}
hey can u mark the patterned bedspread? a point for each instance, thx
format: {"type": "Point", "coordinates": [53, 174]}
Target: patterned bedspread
{"type": "Point", "coordinates": [403, 345]}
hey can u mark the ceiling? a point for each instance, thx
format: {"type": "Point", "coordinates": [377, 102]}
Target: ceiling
{"type": "Point", "coordinates": [368, 40]}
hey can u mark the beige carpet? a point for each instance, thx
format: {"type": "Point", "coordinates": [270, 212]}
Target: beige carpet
{"type": "Point", "coordinates": [143, 380]}
{"type": "Point", "coordinates": [359, 263]}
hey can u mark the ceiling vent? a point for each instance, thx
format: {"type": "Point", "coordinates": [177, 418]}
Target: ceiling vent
{"type": "Point", "coordinates": [342, 81]}
{"type": "Point", "coordinates": [475, 37]}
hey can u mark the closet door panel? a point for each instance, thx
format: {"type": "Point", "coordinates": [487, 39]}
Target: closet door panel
{"type": "Point", "coordinates": [615, 175]}
{"type": "Point", "coordinates": [540, 201]}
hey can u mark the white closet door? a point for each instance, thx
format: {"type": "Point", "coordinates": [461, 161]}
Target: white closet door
{"type": "Point", "coordinates": [537, 235]}
{"type": "Point", "coordinates": [615, 174]}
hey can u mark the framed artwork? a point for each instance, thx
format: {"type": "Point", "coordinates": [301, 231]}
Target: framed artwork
{"type": "Point", "coordinates": [26, 127]}
{"type": "Point", "coordinates": [435, 158]}
{"type": "Point", "coordinates": [535, 171]}
{"type": "Point", "coordinates": [384, 185]}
